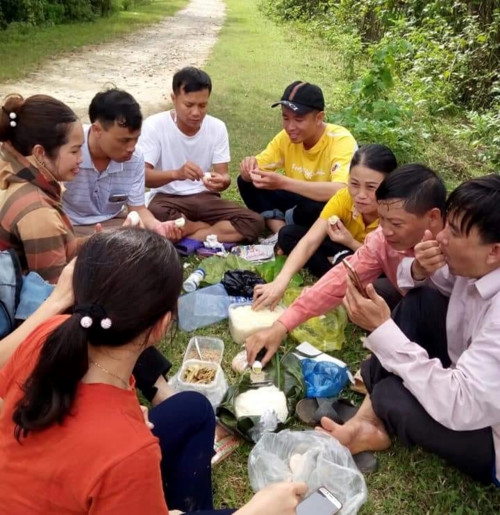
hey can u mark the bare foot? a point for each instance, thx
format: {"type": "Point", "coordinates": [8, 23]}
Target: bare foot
{"type": "Point", "coordinates": [358, 434]}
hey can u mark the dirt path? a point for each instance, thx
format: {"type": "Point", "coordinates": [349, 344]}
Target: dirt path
{"type": "Point", "coordinates": [142, 63]}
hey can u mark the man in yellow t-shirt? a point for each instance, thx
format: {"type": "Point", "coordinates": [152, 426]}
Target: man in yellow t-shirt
{"type": "Point", "coordinates": [314, 157]}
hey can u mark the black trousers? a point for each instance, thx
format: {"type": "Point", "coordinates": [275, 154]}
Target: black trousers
{"type": "Point", "coordinates": [274, 204]}
{"type": "Point", "coordinates": [421, 315]}
{"type": "Point", "coordinates": [318, 263]}
{"type": "Point", "coordinates": [149, 367]}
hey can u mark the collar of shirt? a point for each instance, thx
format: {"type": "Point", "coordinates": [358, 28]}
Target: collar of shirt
{"type": "Point", "coordinates": [488, 285]}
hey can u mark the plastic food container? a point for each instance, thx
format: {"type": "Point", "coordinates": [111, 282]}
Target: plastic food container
{"type": "Point", "coordinates": [244, 322]}
{"type": "Point", "coordinates": [197, 362]}
{"type": "Point", "coordinates": [211, 349]}
{"type": "Point", "coordinates": [213, 391]}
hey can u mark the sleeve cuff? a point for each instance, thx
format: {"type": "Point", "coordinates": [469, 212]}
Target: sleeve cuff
{"type": "Point", "coordinates": [384, 341]}
{"type": "Point", "coordinates": [404, 277]}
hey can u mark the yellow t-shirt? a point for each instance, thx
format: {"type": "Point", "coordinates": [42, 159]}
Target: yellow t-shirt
{"type": "Point", "coordinates": [327, 161]}
{"type": "Point", "coordinates": [342, 205]}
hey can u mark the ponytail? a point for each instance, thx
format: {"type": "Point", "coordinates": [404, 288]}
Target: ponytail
{"type": "Point", "coordinates": [50, 390]}
{"type": "Point", "coordinates": [111, 270]}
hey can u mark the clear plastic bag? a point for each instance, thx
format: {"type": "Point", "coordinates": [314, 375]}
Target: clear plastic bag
{"type": "Point", "coordinates": [312, 457]}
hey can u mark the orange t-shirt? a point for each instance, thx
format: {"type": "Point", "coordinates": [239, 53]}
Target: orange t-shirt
{"type": "Point", "coordinates": [101, 460]}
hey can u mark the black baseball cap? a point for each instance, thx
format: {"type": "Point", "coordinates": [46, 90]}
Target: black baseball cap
{"type": "Point", "coordinates": [302, 98]}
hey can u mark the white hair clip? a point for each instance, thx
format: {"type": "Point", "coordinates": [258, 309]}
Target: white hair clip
{"type": "Point", "coordinates": [106, 323]}
{"type": "Point", "coordinates": [86, 322]}
{"type": "Point", "coordinates": [13, 123]}
{"type": "Point", "coordinates": [12, 116]}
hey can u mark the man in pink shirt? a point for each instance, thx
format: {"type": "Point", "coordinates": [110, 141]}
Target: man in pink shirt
{"type": "Point", "coordinates": [411, 200]}
{"type": "Point", "coordinates": [434, 376]}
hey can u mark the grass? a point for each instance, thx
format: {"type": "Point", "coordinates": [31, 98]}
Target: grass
{"type": "Point", "coordinates": [250, 66]}
{"type": "Point", "coordinates": [24, 48]}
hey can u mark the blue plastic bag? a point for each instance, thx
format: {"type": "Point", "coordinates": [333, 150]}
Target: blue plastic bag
{"type": "Point", "coordinates": [323, 378]}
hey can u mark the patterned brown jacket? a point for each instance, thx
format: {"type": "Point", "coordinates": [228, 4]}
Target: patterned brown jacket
{"type": "Point", "coordinates": [32, 221]}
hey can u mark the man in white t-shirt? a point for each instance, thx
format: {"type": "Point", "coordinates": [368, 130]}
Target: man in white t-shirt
{"type": "Point", "coordinates": [187, 160]}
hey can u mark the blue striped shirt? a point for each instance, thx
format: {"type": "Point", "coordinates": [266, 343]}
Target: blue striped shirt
{"type": "Point", "coordinates": [87, 198]}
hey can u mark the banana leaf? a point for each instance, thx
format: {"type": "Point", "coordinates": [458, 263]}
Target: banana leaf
{"type": "Point", "coordinates": [216, 266]}
{"type": "Point", "coordinates": [285, 373]}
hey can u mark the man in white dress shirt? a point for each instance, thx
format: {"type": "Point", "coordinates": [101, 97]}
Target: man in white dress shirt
{"type": "Point", "coordinates": [434, 376]}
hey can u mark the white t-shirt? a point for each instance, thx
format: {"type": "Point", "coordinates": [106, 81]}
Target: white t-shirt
{"type": "Point", "coordinates": [165, 147]}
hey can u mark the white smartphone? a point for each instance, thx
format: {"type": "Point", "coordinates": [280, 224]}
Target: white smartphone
{"type": "Point", "coordinates": [320, 502]}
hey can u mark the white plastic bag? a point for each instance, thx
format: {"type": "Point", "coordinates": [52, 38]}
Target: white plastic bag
{"type": "Point", "coordinates": [315, 458]}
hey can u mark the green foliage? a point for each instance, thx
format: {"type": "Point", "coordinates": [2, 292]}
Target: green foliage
{"type": "Point", "coordinates": [54, 12]}
{"type": "Point", "coordinates": [373, 113]}
{"type": "Point", "coordinates": [455, 44]}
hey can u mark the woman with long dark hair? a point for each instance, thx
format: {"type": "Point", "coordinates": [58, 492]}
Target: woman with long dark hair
{"type": "Point", "coordinates": [41, 147]}
{"type": "Point", "coordinates": [73, 438]}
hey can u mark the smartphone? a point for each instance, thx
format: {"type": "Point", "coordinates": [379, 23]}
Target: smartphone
{"type": "Point", "coordinates": [320, 502]}
{"type": "Point", "coordinates": [353, 275]}
{"type": "Point", "coordinates": [118, 197]}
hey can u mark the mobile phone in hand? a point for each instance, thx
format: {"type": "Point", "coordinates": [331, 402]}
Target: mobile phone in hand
{"type": "Point", "coordinates": [353, 275]}
{"type": "Point", "coordinates": [320, 502]}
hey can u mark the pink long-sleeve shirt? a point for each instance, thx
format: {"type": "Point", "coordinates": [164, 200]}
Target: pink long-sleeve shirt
{"type": "Point", "coordinates": [370, 260]}
{"type": "Point", "coordinates": [465, 396]}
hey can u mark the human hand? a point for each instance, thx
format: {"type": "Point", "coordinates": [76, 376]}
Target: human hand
{"type": "Point", "coordinates": [368, 313]}
{"type": "Point", "coordinates": [246, 166]}
{"type": "Point", "coordinates": [62, 296]}
{"type": "Point", "coordinates": [169, 230]}
{"type": "Point", "coordinates": [268, 295]}
{"type": "Point", "coordinates": [190, 171]}
{"type": "Point", "coordinates": [428, 257]}
{"type": "Point", "coordinates": [217, 182]}
{"type": "Point", "coordinates": [145, 414]}
{"type": "Point", "coordinates": [270, 339]}
{"type": "Point", "coordinates": [339, 234]}
{"type": "Point", "coordinates": [267, 180]}
{"type": "Point", "coordinates": [275, 499]}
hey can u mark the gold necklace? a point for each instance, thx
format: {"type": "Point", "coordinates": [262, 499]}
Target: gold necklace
{"type": "Point", "coordinates": [98, 365]}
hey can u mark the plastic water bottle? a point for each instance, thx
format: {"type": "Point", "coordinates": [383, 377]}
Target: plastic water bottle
{"type": "Point", "coordinates": [205, 306]}
{"type": "Point", "coordinates": [194, 280]}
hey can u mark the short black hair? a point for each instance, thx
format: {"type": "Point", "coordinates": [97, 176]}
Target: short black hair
{"type": "Point", "coordinates": [191, 79]}
{"type": "Point", "coordinates": [115, 105]}
{"type": "Point", "coordinates": [477, 201]}
{"type": "Point", "coordinates": [376, 157]}
{"type": "Point", "coordinates": [420, 188]}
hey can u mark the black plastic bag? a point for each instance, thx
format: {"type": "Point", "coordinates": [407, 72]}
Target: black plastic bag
{"type": "Point", "coordinates": [241, 282]}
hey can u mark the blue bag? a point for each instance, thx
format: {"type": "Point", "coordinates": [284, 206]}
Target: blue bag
{"type": "Point", "coordinates": [19, 296]}
{"type": "Point", "coordinates": [323, 378]}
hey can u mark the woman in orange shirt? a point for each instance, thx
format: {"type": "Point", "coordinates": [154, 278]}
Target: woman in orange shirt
{"type": "Point", "coordinates": [73, 438]}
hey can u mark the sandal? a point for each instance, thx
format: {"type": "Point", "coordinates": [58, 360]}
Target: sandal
{"type": "Point", "coordinates": [310, 411]}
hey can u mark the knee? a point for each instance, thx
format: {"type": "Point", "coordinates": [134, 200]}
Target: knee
{"type": "Point", "coordinates": [242, 184]}
{"type": "Point", "coordinates": [287, 239]}
{"type": "Point", "coordinates": [254, 225]}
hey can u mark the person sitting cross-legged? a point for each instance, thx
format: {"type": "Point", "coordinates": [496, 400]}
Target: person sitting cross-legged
{"type": "Point", "coordinates": [187, 162]}
{"type": "Point", "coordinates": [433, 377]}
